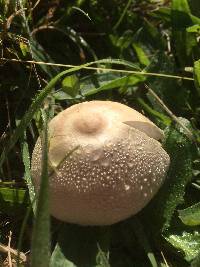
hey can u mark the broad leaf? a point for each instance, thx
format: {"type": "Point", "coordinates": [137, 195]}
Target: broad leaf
{"type": "Point", "coordinates": [107, 81]}
{"type": "Point", "coordinates": [194, 28]}
{"type": "Point", "coordinates": [187, 242]}
{"type": "Point", "coordinates": [143, 58]}
{"type": "Point", "coordinates": [70, 85]}
{"type": "Point", "coordinates": [81, 247]}
{"type": "Point", "coordinates": [12, 195]}
{"type": "Point", "coordinates": [191, 215]}
{"type": "Point", "coordinates": [181, 151]}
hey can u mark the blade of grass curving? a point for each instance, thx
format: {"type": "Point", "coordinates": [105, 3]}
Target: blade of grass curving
{"type": "Point", "coordinates": [89, 67]}
{"type": "Point", "coordinates": [42, 95]}
{"type": "Point", "coordinates": [82, 11]}
{"type": "Point", "coordinates": [122, 15]}
{"type": "Point", "coordinates": [125, 81]}
{"type": "Point", "coordinates": [117, 61]}
{"type": "Point", "coordinates": [21, 234]}
{"type": "Point", "coordinates": [40, 249]}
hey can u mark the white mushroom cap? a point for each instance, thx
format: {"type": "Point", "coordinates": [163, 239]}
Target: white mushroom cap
{"type": "Point", "coordinates": [108, 163]}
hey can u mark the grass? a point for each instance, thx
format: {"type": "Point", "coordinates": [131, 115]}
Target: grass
{"type": "Point", "coordinates": [142, 53]}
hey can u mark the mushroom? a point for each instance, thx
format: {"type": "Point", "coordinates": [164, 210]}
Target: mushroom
{"type": "Point", "coordinates": [106, 163]}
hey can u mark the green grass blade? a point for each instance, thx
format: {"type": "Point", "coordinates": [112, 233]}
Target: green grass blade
{"type": "Point", "coordinates": [191, 215]}
{"type": "Point", "coordinates": [40, 98]}
{"type": "Point", "coordinates": [124, 81]}
{"type": "Point", "coordinates": [141, 236]}
{"type": "Point", "coordinates": [21, 235]}
{"type": "Point", "coordinates": [122, 15]}
{"type": "Point", "coordinates": [40, 249]}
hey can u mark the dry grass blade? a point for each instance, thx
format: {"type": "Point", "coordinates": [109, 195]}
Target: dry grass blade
{"type": "Point", "coordinates": [164, 259]}
{"type": "Point", "coordinates": [97, 68]}
{"type": "Point", "coordinates": [13, 252]}
{"type": "Point", "coordinates": [9, 254]}
{"type": "Point", "coordinates": [170, 113]}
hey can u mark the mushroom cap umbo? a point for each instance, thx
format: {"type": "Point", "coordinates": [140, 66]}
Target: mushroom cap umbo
{"type": "Point", "coordinates": [105, 163]}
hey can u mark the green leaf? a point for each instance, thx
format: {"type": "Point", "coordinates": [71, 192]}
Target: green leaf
{"type": "Point", "coordinates": [13, 196]}
{"type": "Point", "coordinates": [181, 5]}
{"type": "Point", "coordinates": [187, 242]}
{"type": "Point", "coordinates": [194, 28]}
{"type": "Point", "coordinates": [180, 149]}
{"type": "Point", "coordinates": [191, 215]}
{"type": "Point", "coordinates": [143, 58]}
{"type": "Point", "coordinates": [163, 13]}
{"type": "Point", "coordinates": [24, 48]}
{"type": "Point", "coordinates": [60, 95]}
{"type": "Point", "coordinates": [81, 247]}
{"type": "Point", "coordinates": [58, 258]}
{"type": "Point", "coordinates": [70, 85]}
{"type": "Point", "coordinates": [195, 20]}
{"type": "Point", "coordinates": [183, 40]}
{"type": "Point", "coordinates": [196, 261]}
{"type": "Point", "coordinates": [182, 152]}
{"type": "Point", "coordinates": [122, 15]}
{"type": "Point", "coordinates": [102, 258]}
{"type": "Point", "coordinates": [197, 75]}
{"type": "Point", "coordinates": [13, 202]}
{"type": "Point", "coordinates": [124, 41]}
{"type": "Point", "coordinates": [107, 81]}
